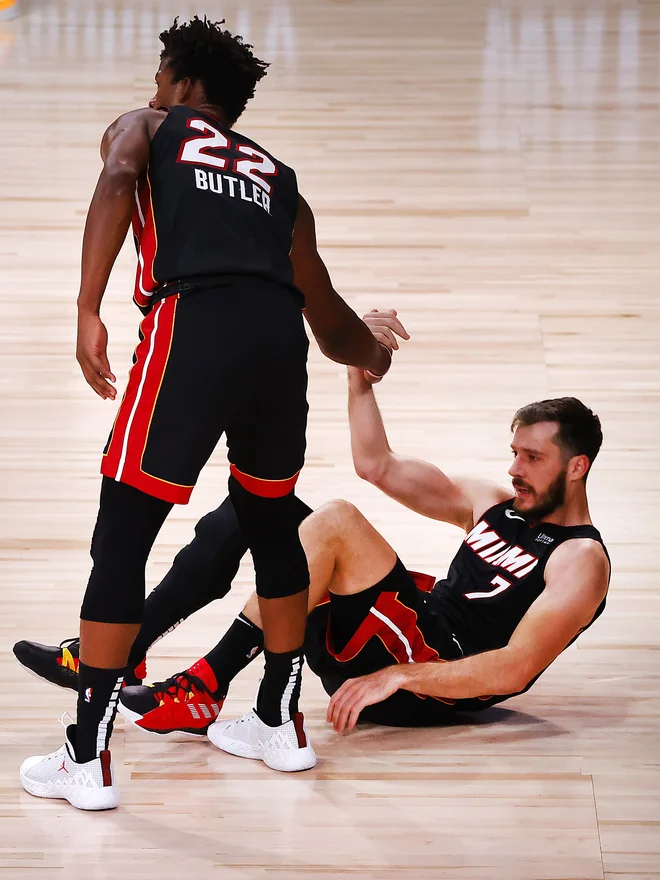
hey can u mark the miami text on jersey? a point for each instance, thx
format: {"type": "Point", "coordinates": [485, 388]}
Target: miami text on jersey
{"type": "Point", "coordinates": [490, 547]}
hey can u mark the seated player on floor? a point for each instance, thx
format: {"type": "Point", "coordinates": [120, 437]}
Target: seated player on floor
{"type": "Point", "coordinates": [530, 575]}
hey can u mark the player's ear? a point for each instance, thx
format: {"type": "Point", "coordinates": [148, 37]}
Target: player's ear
{"type": "Point", "coordinates": [184, 89]}
{"type": "Point", "coordinates": [578, 466]}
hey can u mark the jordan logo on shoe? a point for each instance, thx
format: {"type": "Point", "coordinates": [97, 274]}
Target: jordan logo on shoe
{"type": "Point", "coordinates": [63, 767]}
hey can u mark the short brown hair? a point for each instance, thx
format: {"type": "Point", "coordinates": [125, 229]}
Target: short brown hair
{"type": "Point", "coordinates": [579, 430]}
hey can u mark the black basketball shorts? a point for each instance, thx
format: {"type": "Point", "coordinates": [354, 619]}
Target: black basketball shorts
{"type": "Point", "coordinates": [231, 359]}
{"type": "Point", "coordinates": [395, 621]}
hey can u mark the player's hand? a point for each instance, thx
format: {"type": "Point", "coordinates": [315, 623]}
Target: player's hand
{"type": "Point", "coordinates": [91, 354]}
{"type": "Point", "coordinates": [385, 326]}
{"type": "Point", "coordinates": [356, 693]}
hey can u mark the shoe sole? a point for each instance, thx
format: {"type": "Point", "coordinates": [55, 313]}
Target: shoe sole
{"type": "Point", "coordinates": [97, 800]}
{"type": "Point", "coordinates": [134, 717]}
{"type": "Point", "coordinates": [64, 687]}
{"type": "Point", "coordinates": [284, 761]}
{"type": "Point", "coordinates": [232, 746]}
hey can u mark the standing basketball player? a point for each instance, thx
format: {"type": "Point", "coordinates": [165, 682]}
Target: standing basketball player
{"type": "Point", "coordinates": [227, 260]}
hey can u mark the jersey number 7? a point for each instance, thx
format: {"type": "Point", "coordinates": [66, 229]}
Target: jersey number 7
{"type": "Point", "coordinates": [501, 584]}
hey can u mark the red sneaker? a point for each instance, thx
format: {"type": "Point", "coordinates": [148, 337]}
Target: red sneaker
{"type": "Point", "coordinates": [183, 703]}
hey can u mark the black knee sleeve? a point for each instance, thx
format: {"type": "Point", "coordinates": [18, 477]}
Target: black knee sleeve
{"type": "Point", "coordinates": [201, 572]}
{"type": "Point", "coordinates": [270, 526]}
{"type": "Point", "coordinates": [126, 528]}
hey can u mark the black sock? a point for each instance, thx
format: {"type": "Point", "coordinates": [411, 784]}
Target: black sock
{"type": "Point", "coordinates": [242, 642]}
{"type": "Point", "coordinates": [98, 694]}
{"type": "Point", "coordinates": [277, 700]}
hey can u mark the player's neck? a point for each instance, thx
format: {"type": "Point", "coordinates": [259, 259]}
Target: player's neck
{"type": "Point", "coordinates": [211, 110]}
{"type": "Point", "coordinates": [573, 512]}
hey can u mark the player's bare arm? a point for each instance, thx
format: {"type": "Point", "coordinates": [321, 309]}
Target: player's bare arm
{"type": "Point", "coordinates": [341, 335]}
{"type": "Point", "coordinates": [125, 151]}
{"type": "Point", "coordinates": [576, 582]}
{"type": "Point", "coordinates": [417, 484]}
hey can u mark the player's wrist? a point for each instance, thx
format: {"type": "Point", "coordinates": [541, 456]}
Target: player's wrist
{"type": "Point", "coordinates": [87, 309]}
{"type": "Point", "coordinates": [383, 364]}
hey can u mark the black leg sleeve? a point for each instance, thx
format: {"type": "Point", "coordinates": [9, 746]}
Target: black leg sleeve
{"type": "Point", "coordinates": [271, 528]}
{"type": "Point", "coordinates": [202, 572]}
{"type": "Point", "coordinates": [127, 526]}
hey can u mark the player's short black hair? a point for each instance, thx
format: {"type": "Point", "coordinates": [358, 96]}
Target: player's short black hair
{"type": "Point", "coordinates": [579, 430]}
{"type": "Point", "coordinates": [222, 62]}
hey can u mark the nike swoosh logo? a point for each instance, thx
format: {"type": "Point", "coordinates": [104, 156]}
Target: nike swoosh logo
{"type": "Point", "coordinates": [513, 515]}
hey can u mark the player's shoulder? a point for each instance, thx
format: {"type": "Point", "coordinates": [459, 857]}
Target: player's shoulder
{"type": "Point", "coordinates": [482, 495]}
{"type": "Point", "coordinates": [244, 140]}
{"type": "Point", "coordinates": [142, 116]}
{"type": "Point", "coordinates": [585, 558]}
{"type": "Point", "coordinates": [582, 549]}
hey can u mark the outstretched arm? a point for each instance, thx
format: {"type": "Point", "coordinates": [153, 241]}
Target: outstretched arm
{"type": "Point", "coordinates": [341, 335]}
{"type": "Point", "coordinates": [125, 152]}
{"type": "Point", "coordinates": [417, 484]}
{"type": "Point", "coordinates": [577, 575]}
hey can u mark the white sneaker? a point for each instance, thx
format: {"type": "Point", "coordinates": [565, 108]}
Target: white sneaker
{"type": "Point", "coordinates": [88, 786]}
{"type": "Point", "coordinates": [286, 747]}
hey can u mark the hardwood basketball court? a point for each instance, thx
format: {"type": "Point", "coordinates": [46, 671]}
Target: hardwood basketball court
{"type": "Point", "coordinates": [490, 169]}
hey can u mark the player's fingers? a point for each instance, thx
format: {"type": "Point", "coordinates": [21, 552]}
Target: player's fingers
{"type": "Point", "coordinates": [389, 321]}
{"type": "Point", "coordinates": [353, 699]}
{"type": "Point", "coordinates": [104, 368]}
{"type": "Point", "coordinates": [391, 312]}
{"type": "Point", "coordinates": [341, 701]}
{"type": "Point", "coordinates": [97, 382]}
{"type": "Point", "coordinates": [341, 711]}
{"type": "Point", "coordinates": [101, 368]}
{"type": "Point", "coordinates": [101, 386]}
{"type": "Point", "coordinates": [396, 326]}
{"type": "Point", "coordinates": [334, 702]}
{"type": "Point", "coordinates": [384, 335]}
{"type": "Point", "coordinates": [342, 717]}
{"type": "Point", "coordinates": [359, 701]}
{"type": "Point", "coordinates": [329, 715]}
{"type": "Point", "coordinates": [354, 714]}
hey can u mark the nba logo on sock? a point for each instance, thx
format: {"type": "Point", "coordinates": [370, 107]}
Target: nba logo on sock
{"type": "Point", "coordinates": [88, 695]}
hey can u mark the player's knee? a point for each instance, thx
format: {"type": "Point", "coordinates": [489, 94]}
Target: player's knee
{"type": "Point", "coordinates": [332, 520]}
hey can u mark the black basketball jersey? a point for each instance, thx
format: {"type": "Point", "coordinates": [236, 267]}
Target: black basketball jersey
{"type": "Point", "coordinates": [211, 203]}
{"type": "Point", "coordinates": [498, 573]}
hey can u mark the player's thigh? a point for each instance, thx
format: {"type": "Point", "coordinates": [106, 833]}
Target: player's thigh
{"type": "Point", "coordinates": [360, 554]}
{"type": "Point", "coordinates": [266, 438]}
{"type": "Point", "coordinates": [178, 399]}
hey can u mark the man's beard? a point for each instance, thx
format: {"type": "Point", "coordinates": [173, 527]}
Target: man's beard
{"type": "Point", "coordinates": [546, 503]}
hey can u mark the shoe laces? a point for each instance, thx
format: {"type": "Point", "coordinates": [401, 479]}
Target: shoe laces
{"type": "Point", "coordinates": [179, 688]}
{"type": "Point", "coordinates": [68, 661]}
{"type": "Point", "coordinates": [65, 720]}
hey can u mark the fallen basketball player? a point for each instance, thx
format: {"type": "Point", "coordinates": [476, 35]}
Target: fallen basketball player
{"type": "Point", "coordinates": [392, 646]}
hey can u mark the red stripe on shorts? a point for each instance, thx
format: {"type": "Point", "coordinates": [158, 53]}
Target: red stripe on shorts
{"type": "Point", "coordinates": [123, 460]}
{"type": "Point", "coordinates": [395, 624]}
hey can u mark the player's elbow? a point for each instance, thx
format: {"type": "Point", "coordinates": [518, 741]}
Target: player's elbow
{"type": "Point", "coordinates": [375, 467]}
{"type": "Point", "coordinates": [372, 470]}
{"type": "Point", "coordinates": [518, 674]}
{"type": "Point", "coordinates": [119, 176]}
{"type": "Point", "coordinates": [333, 345]}
{"type": "Point", "coordinates": [516, 682]}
